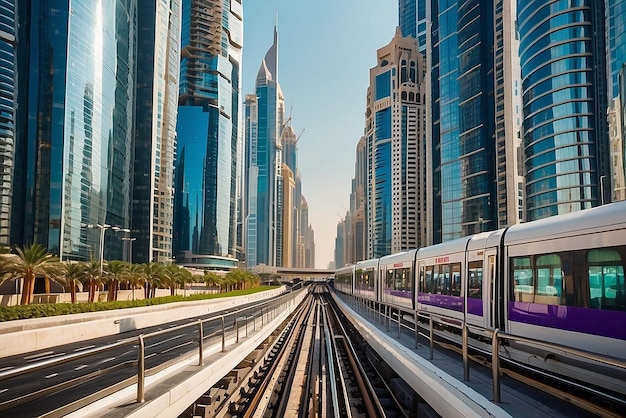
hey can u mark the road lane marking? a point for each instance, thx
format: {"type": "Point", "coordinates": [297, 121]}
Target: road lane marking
{"type": "Point", "coordinates": [38, 355]}
{"type": "Point", "coordinates": [46, 357]}
{"type": "Point", "coordinates": [82, 366]}
{"type": "Point", "coordinates": [52, 375]}
{"type": "Point", "coordinates": [84, 348]}
{"type": "Point", "coordinates": [178, 346]}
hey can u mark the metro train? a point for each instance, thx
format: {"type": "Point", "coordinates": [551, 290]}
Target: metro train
{"type": "Point", "coordinates": [559, 280]}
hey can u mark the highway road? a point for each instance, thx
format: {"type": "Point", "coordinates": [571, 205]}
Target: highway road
{"type": "Point", "coordinates": [74, 380]}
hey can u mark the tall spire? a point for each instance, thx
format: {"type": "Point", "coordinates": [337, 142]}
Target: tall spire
{"type": "Point", "coordinates": [271, 57]}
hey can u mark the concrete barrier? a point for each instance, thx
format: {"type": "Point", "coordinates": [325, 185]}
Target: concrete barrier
{"type": "Point", "coordinates": [27, 335]}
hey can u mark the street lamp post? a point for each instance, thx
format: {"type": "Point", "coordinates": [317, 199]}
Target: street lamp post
{"type": "Point", "coordinates": [130, 256]}
{"type": "Point", "coordinates": [103, 228]}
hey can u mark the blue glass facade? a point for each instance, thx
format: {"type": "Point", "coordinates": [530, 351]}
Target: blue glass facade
{"type": "Point", "coordinates": [208, 131]}
{"type": "Point", "coordinates": [8, 98]}
{"type": "Point", "coordinates": [616, 39]}
{"type": "Point", "coordinates": [265, 116]}
{"type": "Point", "coordinates": [76, 129]}
{"type": "Point", "coordinates": [563, 84]}
{"type": "Point", "coordinates": [469, 50]}
{"type": "Point", "coordinates": [412, 20]}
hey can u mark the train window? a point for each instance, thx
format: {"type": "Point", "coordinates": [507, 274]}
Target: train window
{"type": "Point", "coordinates": [430, 285]}
{"type": "Point", "coordinates": [549, 279]}
{"type": "Point", "coordinates": [523, 289]}
{"type": "Point", "coordinates": [403, 281]}
{"type": "Point", "coordinates": [456, 279]}
{"type": "Point", "coordinates": [607, 288]}
{"type": "Point", "coordinates": [389, 284]}
{"type": "Point", "coordinates": [444, 282]}
{"type": "Point", "coordinates": [475, 280]}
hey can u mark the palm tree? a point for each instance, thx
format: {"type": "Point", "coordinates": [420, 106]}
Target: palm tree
{"type": "Point", "coordinates": [153, 273]}
{"type": "Point", "coordinates": [74, 273]}
{"type": "Point", "coordinates": [92, 278]}
{"type": "Point", "coordinates": [116, 272]}
{"type": "Point", "coordinates": [135, 277]}
{"type": "Point", "coordinates": [212, 279]}
{"type": "Point", "coordinates": [33, 261]}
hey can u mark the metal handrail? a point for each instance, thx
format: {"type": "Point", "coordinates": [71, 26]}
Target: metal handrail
{"type": "Point", "coordinates": [272, 305]}
{"type": "Point", "coordinates": [496, 336]}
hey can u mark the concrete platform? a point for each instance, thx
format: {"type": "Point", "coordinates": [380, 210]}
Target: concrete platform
{"type": "Point", "coordinates": [440, 381]}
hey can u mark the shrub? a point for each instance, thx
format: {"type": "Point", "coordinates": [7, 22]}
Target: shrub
{"type": "Point", "coordinates": [11, 313]}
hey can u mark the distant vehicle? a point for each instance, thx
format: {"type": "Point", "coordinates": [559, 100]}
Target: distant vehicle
{"type": "Point", "coordinates": [558, 280]}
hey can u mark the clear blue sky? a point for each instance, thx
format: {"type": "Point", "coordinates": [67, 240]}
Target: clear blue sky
{"type": "Point", "coordinates": [326, 48]}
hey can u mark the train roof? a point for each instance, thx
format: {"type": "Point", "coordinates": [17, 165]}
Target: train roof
{"type": "Point", "coordinates": [601, 218]}
{"type": "Point", "coordinates": [371, 263]}
{"type": "Point", "coordinates": [485, 240]}
{"type": "Point", "coordinates": [399, 257]}
{"type": "Point", "coordinates": [448, 247]}
{"type": "Point", "coordinates": [345, 269]}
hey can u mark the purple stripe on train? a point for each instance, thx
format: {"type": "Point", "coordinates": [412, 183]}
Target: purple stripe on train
{"type": "Point", "coordinates": [601, 322]}
{"type": "Point", "coordinates": [400, 293]}
{"type": "Point", "coordinates": [475, 306]}
{"type": "Point", "coordinates": [454, 303]}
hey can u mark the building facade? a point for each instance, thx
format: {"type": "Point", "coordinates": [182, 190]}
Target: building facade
{"type": "Point", "coordinates": [155, 136]}
{"type": "Point", "coordinates": [208, 134]}
{"type": "Point", "coordinates": [474, 179]}
{"type": "Point", "coordinates": [412, 21]}
{"type": "Point", "coordinates": [76, 124]}
{"type": "Point", "coordinates": [394, 139]}
{"type": "Point", "coordinates": [564, 85]}
{"type": "Point", "coordinates": [8, 104]}
{"type": "Point", "coordinates": [264, 114]}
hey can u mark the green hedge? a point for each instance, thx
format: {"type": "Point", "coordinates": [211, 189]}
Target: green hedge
{"type": "Point", "coordinates": [11, 313]}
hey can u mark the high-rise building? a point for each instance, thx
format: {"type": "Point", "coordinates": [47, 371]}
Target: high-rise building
{"type": "Point", "coordinates": [474, 180]}
{"type": "Point", "coordinates": [615, 15]}
{"type": "Point", "coordinates": [208, 134]}
{"type": "Point", "coordinates": [76, 125]}
{"type": "Point", "coordinates": [394, 138]}
{"type": "Point", "coordinates": [8, 96]}
{"type": "Point", "coordinates": [308, 235]}
{"type": "Point", "coordinates": [264, 116]}
{"type": "Point", "coordinates": [564, 87]}
{"type": "Point", "coordinates": [287, 256]}
{"type": "Point", "coordinates": [412, 21]}
{"type": "Point", "coordinates": [158, 58]}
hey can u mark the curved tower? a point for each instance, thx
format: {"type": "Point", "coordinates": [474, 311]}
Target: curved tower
{"type": "Point", "coordinates": [208, 133]}
{"type": "Point", "coordinates": [76, 140]}
{"type": "Point", "coordinates": [564, 102]}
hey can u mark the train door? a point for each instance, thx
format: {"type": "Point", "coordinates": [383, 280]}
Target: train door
{"type": "Point", "coordinates": [491, 289]}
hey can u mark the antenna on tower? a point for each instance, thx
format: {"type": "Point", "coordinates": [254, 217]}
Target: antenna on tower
{"type": "Point", "coordinates": [298, 138]}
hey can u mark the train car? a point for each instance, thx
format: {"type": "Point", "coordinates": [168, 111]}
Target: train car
{"type": "Point", "coordinates": [344, 279]}
{"type": "Point", "coordinates": [396, 279]}
{"type": "Point", "coordinates": [565, 284]}
{"type": "Point", "coordinates": [440, 282]}
{"type": "Point", "coordinates": [365, 278]}
{"type": "Point", "coordinates": [481, 283]}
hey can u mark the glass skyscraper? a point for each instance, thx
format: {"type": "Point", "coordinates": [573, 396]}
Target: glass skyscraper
{"type": "Point", "coordinates": [474, 180]}
{"type": "Point", "coordinates": [264, 124]}
{"type": "Point", "coordinates": [208, 134]}
{"type": "Point", "coordinates": [158, 59]}
{"type": "Point", "coordinates": [616, 38]}
{"type": "Point", "coordinates": [564, 87]}
{"type": "Point", "coordinates": [8, 96]}
{"type": "Point", "coordinates": [75, 123]}
{"type": "Point", "coordinates": [412, 21]}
